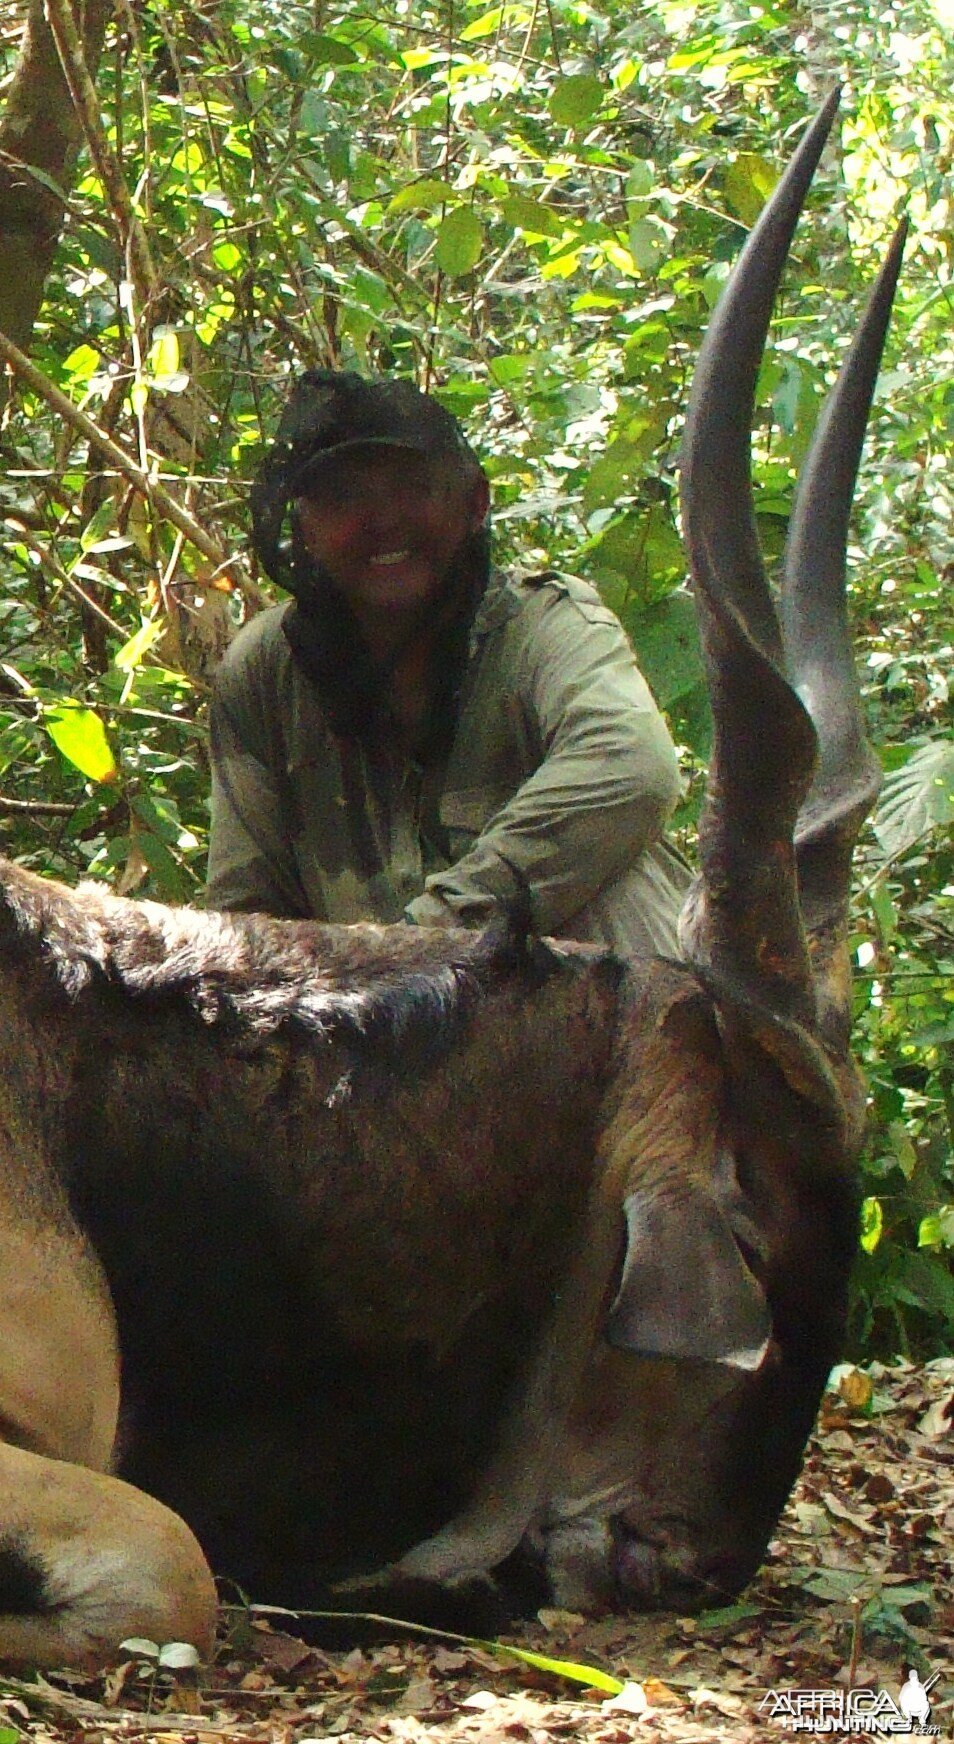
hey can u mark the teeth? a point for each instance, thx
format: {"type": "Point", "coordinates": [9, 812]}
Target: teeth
{"type": "Point", "coordinates": [386, 557]}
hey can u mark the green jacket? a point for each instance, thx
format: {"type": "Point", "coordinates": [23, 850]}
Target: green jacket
{"type": "Point", "coordinates": [561, 768]}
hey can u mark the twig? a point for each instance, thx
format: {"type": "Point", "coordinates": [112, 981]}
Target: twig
{"type": "Point", "coordinates": [51, 561]}
{"type": "Point", "coordinates": [42, 1698]}
{"type": "Point", "coordinates": [37, 807]}
{"type": "Point", "coordinates": [143, 482]}
{"type": "Point", "coordinates": [82, 91]}
{"type": "Point", "coordinates": [855, 1640]}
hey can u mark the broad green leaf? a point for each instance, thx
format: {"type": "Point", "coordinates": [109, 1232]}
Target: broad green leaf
{"type": "Point", "coordinates": [749, 180]}
{"type": "Point", "coordinates": [937, 1229]}
{"type": "Point", "coordinates": [100, 524]}
{"type": "Point", "coordinates": [164, 351]}
{"type": "Point", "coordinates": [132, 653]}
{"type": "Point", "coordinates": [460, 240]}
{"type": "Point", "coordinates": [588, 1675]}
{"type": "Point", "coordinates": [640, 181]}
{"type": "Point", "coordinates": [80, 737]}
{"type": "Point", "coordinates": [666, 639]}
{"type": "Point", "coordinates": [337, 154]}
{"type": "Point", "coordinates": [648, 243]}
{"type": "Point", "coordinates": [424, 196]}
{"type": "Point", "coordinates": [326, 50]}
{"type": "Point", "coordinates": [81, 364]}
{"type": "Point", "coordinates": [415, 59]}
{"type": "Point", "coordinates": [531, 216]}
{"type": "Point", "coordinates": [162, 865]}
{"type": "Point", "coordinates": [10, 1735]}
{"type": "Point", "coordinates": [575, 99]}
{"type": "Point", "coordinates": [510, 368]}
{"type": "Point", "coordinates": [489, 22]}
{"type": "Point", "coordinates": [226, 256]}
{"type": "Point", "coordinates": [616, 473]}
{"type": "Point", "coordinates": [727, 1615]}
{"type": "Point", "coordinates": [313, 115]}
{"type": "Point", "coordinates": [872, 1224]}
{"type": "Point", "coordinates": [924, 1280]}
{"type": "Point", "coordinates": [916, 798]}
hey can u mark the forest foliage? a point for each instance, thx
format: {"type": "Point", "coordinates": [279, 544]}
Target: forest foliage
{"type": "Point", "coordinates": [530, 207]}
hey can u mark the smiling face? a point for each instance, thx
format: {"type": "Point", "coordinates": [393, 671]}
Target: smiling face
{"type": "Point", "coordinates": [387, 523]}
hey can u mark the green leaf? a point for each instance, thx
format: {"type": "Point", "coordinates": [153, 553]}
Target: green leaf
{"type": "Point", "coordinates": [925, 1281]}
{"type": "Point", "coordinates": [530, 216]}
{"type": "Point", "coordinates": [460, 240]}
{"type": "Point", "coordinates": [226, 256]}
{"type": "Point", "coordinates": [916, 798]}
{"type": "Point", "coordinates": [648, 243]}
{"type": "Point", "coordinates": [489, 22]}
{"type": "Point", "coordinates": [80, 737]}
{"type": "Point", "coordinates": [164, 351]}
{"type": "Point", "coordinates": [81, 364]}
{"type": "Point", "coordinates": [666, 639]}
{"type": "Point", "coordinates": [327, 51]}
{"type": "Point", "coordinates": [423, 196]}
{"type": "Point", "coordinates": [749, 180]}
{"type": "Point", "coordinates": [131, 653]}
{"type": "Point", "coordinates": [872, 1224]}
{"type": "Point", "coordinates": [885, 912]}
{"type": "Point", "coordinates": [905, 1154]}
{"type": "Point", "coordinates": [727, 1615]}
{"type": "Point", "coordinates": [640, 181]}
{"type": "Point", "coordinates": [588, 1675]}
{"type": "Point", "coordinates": [162, 865]}
{"type": "Point", "coordinates": [337, 153]}
{"type": "Point", "coordinates": [937, 1229]}
{"type": "Point", "coordinates": [575, 99]}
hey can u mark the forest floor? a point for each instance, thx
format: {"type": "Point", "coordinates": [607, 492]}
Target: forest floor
{"type": "Point", "coordinates": [858, 1588]}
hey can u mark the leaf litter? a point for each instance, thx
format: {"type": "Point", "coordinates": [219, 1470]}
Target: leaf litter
{"type": "Point", "coordinates": [858, 1585]}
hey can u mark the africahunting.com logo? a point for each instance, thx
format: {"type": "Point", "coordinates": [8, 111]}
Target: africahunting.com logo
{"type": "Point", "coordinates": [856, 1710]}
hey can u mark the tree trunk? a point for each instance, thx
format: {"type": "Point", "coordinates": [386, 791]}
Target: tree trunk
{"type": "Point", "coordinates": [39, 131]}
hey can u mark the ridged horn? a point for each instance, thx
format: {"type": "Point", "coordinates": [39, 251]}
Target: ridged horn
{"type": "Point", "coordinates": [818, 650]}
{"type": "Point", "coordinates": [748, 923]}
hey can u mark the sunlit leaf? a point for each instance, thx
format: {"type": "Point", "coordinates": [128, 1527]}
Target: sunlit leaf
{"type": "Point", "coordinates": [916, 798]}
{"type": "Point", "coordinates": [164, 351]}
{"type": "Point", "coordinates": [133, 652]}
{"type": "Point", "coordinates": [937, 1229]}
{"type": "Point", "coordinates": [872, 1224]}
{"type": "Point", "coordinates": [588, 1675]}
{"type": "Point", "coordinates": [749, 180]}
{"type": "Point", "coordinates": [79, 735]}
{"type": "Point", "coordinates": [81, 364]}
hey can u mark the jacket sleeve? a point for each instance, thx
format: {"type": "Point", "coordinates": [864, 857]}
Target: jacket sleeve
{"type": "Point", "coordinates": [251, 863]}
{"type": "Point", "coordinates": [607, 780]}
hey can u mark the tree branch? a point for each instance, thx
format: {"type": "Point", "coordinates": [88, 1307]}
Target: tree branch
{"type": "Point", "coordinates": [83, 94]}
{"type": "Point", "coordinates": [142, 481]}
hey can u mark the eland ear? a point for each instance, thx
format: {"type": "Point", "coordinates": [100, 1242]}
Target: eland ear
{"type": "Point", "coordinates": [686, 1291]}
